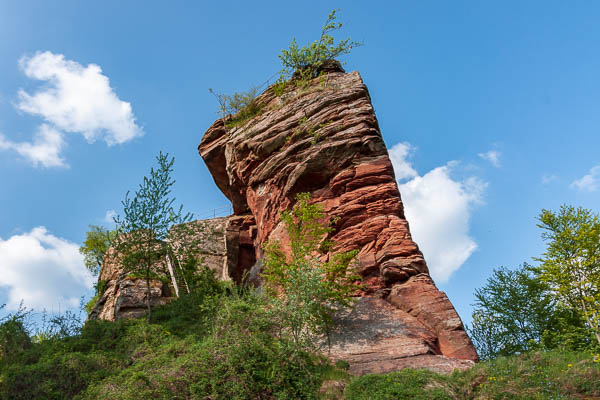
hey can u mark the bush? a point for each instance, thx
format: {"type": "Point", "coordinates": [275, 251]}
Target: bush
{"type": "Point", "coordinates": [14, 333]}
{"type": "Point", "coordinates": [241, 106]}
{"type": "Point", "coordinates": [304, 291]}
{"type": "Point", "coordinates": [307, 60]}
{"type": "Point", "coordinates": [238, 359]}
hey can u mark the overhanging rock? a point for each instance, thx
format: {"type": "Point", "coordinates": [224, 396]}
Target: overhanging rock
{"type": "Point", "coordinates": [323, 138]}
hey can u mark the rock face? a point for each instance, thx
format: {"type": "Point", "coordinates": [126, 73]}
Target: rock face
{"type": "Point", "coordinates": [125, 296]}
{"type": "Point", "coordinates": [323, 138]}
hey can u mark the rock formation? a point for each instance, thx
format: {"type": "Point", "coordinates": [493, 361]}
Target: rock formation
{"type": "Point", "coordinates": [323, 138]}
{"type": "Point", "coordinates": [320, 137]}
{"type": "Point", "coordinates": [124, 296]}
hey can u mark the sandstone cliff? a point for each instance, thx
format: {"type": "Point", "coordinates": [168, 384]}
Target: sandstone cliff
{"type": "Point", "coordinates": [324, 138]}
{"type": "Point", "coordinates": [321, 138]}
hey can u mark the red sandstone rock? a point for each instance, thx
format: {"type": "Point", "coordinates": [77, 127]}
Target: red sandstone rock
{"type": "Point", "coordinates": [325, 140]}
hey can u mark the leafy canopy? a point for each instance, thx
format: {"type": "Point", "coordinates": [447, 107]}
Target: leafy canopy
{"type": "Point", "coordinates": [95, 245]}
{"type": "Point", "coordinates": [571, 263]}
{"type": "Point", "coordinates": [553, 305]}
{"type": "Point", "coordinates": [511, 313]}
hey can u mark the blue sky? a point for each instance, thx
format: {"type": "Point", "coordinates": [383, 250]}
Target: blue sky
{"type": "Point", "coordinates": [490, 111]}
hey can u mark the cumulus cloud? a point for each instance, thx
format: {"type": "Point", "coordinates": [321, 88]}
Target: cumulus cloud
{"type": "Point", "coordinates": [42, 270]}
{"type": "Point", "coordinates": [77, 99]}
{"type": "Point", "coordinates": [399, 156]}
{"type": "Point", "coordinates": [439, 209]}
{"type": "Point", "coordinates": [44, 150]}
{"type": "Point", "coordinates": [110, 215]}
{"type": "Point", "coordinates": [493, 156]}
{"type": "Point", "coordinates": [589, 182]}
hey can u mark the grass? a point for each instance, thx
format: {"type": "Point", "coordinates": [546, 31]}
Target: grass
{"type": "Point", "coordinates": [218, 343]}
{"type": "Point", "coordinates": [535, 375]}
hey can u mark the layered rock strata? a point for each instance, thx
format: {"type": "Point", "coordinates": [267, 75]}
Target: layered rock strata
{"type": "Point", "coordinates": [323, 138]}
{"type": "Point", "coordinates": [217, 243]}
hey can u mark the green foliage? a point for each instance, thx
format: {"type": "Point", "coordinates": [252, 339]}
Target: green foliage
{"type": "Point", "coordinates": [533, 375]}
{"type": "Point", "coordinates": [571, 263]}
{"type": "Point", "coordinates": [243, 360]}
{"type": "Point", "coordinates": [307, 60]}
{"type": "Point", "coordinates": [553, 305]}
{"type": "Point", "coordinates": [99, 288]}
{"type": "Point", "coordinates": [226, 349]}
{"type": "Point", "coordinates": [96, 243]}
{"type": "Point", "coordinates": [406, 384]}
{"type": "Point", "coordinates": [305, 291]}
{"type": "Point", "coordinates": [193, 313]}
{"type": "Point", "coordinates": [147, 218]}
{"type": "Point", "coordinates": [511, 313]}
{"type": "Point", "coordinates": [216, 342]}
{"type": "Point", "coordinates": [240, 107]}
{"type": "Point", "coordinates": [14, 335]}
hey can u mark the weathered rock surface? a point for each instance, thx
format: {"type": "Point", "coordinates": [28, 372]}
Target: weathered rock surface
{"type": "Point", "coordinates": [325, 139]}
{"type": "Point", "coordinates": [125, 296]}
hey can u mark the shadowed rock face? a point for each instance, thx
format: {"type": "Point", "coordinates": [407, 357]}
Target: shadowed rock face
{"type": "Point", "coordinates": [325, 139]}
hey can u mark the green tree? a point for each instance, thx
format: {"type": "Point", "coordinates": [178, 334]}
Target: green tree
{"type": "Point", "coordinates": [308, 59]}
{"type": "Point", "coordinates": [144, 226]}
{"type": "Point", "coordinates": [305, 291]}
{"type": "Point", "coordinates": [512, 311]}
{"type": "Point", "coordinates": [571, 263]}
{"type": "Point", "coordinates": [96, 243]}
{"type": "Point", "coordinates": [14, 334]}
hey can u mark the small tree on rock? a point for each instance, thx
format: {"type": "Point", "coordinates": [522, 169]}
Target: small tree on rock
{"type": "Point", "coordinates": [147, 218]}
{"type": "Point", "coordinates": [96, 243]}
{"type": "Point", "coordinates": [308, 59]}
{"type": "Point", "coordinates": [305, 291]}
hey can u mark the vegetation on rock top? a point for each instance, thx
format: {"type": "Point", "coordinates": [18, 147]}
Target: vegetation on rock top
{"type": "Point", "coordinates": [300, 64]}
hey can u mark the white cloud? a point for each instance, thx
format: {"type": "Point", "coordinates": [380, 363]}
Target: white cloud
{"type": "Point", "coordinates": [44, 150]}
{"type": "Point", "coordinates": [77, 99]}
{"type": "Point", "coordinates": [589, 182]}
{"type": "Point", "coordinates": [42, 270]}
{"type": "Point", "coordinates": [109, 216]}
{"type": "Point", "coordinates": [493, 156]}
{"type": "Point", "coordinates": [439, 209]}
{"type": "Point", "coordinates": [402, 167]}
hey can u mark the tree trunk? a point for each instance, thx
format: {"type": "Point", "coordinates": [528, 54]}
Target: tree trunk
{"type": "Point", "coordinates": [172, 273]}
{"type": "Point", "coordinates": [148, 294]}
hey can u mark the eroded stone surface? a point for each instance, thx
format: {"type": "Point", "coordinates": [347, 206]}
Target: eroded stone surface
{"type": "Point", "coordinates": [376, 337]}
{"type": "Point", "coordinates": [324, 139]}
{"type": "Point", "coordinates": [125, 296]}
